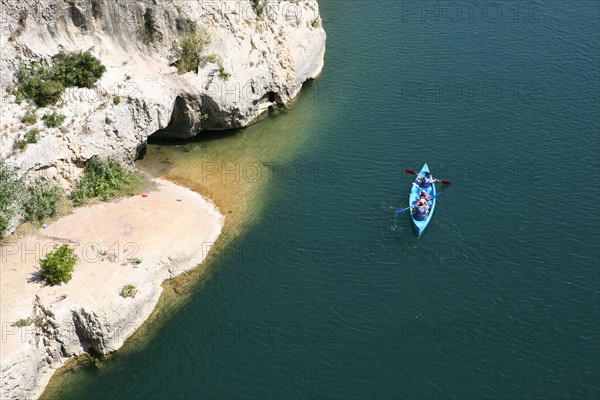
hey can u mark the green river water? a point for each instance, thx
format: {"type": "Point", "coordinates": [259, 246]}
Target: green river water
{"type": "Point", "coordinates": [321, 292]}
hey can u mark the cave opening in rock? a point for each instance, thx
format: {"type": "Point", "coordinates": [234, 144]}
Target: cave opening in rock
{"type": "Point", "coordinates": [273, 97]}
{"type": "Point", "coordinates": [186, 119]}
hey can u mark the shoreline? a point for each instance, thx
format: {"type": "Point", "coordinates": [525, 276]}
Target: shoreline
{"type": "Point", "coordinates": [87, 314]}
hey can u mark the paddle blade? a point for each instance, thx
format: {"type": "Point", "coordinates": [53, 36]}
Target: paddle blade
{"type": "Point", "coordinates": [446, 182]}
{"type": "Point", "coordinates": [410, 171]}
{"type": "Point", "coordinates": [398, 212]}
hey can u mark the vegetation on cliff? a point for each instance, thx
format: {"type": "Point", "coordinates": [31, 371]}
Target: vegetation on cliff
{"type": "Point", "coordinates": [192, 45]}
{"type": "Point", "coordinates": [259, 6]}
{"type": "Point", "coordinates": [43, 199]}
{"type": "Point", "coordinates": [54, 119]}
{"type": "Point", "coordinates": [106, 180]}
{"type": "Point", "coordinates": [36, 203]}
{"type": "Point", "coordinates": [11, 196]}
{"type": "Point", "coordinates": [44, 84]}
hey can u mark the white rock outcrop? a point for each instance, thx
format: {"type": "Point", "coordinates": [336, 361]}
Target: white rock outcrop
{"type": "Point", "coordinates": [262, 61]}
{"type": "Point", "coordinates": [89, 313]}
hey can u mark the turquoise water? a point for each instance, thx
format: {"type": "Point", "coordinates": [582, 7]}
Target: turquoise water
{"type": "Point", "coordinates": [329, 295]}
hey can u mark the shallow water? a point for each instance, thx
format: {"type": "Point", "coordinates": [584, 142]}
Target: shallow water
{"type": "Point", "coordinates": [322, 292]}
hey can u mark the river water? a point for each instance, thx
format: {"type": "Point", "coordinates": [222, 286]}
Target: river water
{"type": "Point", "coordinates": [321, 292]}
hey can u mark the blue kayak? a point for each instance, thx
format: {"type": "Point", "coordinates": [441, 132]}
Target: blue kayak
{"type": "Point", "coordinates": [414, 196]}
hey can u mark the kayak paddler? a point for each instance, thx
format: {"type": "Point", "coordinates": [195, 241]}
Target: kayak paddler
{"type": "Point", "coordinates": [427, 181]}
{"type": "Point", "coordinates": [421, 210]}
{"type": "Point", "coordinates": [424, 195]}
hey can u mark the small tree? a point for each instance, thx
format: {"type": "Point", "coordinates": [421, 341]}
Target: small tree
{"type": "Point", "coordinates": [43, 200]}
{"type": "Point", "coordinates": [11, 195]}
{"type": "Point", "coordinates": [58, 265]}
{"type": "Point", "coordinates": [191, 46]}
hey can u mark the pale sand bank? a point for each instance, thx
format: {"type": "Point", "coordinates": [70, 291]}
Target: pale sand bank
{"type": "Point", "coordinates": [170, 231]}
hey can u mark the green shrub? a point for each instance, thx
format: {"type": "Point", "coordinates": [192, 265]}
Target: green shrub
{"type": "Point", "coordinates": [259, 6]}
{"type": "Point", "coordinates": [54, 119]}
{"type": "Point", "coordinates": [38, 85]}
{"type": "Point", "coordinates": [43, 200]}
{"type": "Point", "coordinates": [20, 323]}
{"type": "Point", "coordinates": [223, 74]}
{"type": "Point", "coordinates": [134, 261]}
{"type": "Point", "coordinates": [12, 193]}
{"type": "Point", "coordinates": [58, 265]}
{"type": "Point", "coordinates": [217, 59]}
{"type": "Point", "coordinates": [105, 179]}
{"type": "Point", "coordinates": [32, 136]}
{"type": "Point", "coordinates": [29, 118]}
{"type": "Point", "coordinates": [117, 100]}
{"type": "Point", "coordinates": [192, 46]}
{"type": "Point", "coordinates": [128, 291]}
{"type": "Point", "coordinates": [147, 31]}
{"type": "Point", "coordinates": [44, 84]}
{"type": "Point", "coordinates": [38, 321]}
{"type": "Point", "coordinates": [79, 69]}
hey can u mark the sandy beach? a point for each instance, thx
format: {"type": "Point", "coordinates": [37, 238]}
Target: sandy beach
{"type": "Point", "coordinates": [139, 241]}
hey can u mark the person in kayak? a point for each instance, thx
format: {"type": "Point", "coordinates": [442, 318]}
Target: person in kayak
{"type": "Point", "coordinates": [421, 210]}
{"type": "Point", "coordinates": [427, 181]}
{"type": "Point", "coordinates": [424, 195]}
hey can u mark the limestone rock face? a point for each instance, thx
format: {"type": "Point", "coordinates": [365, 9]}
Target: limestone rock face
{"type": "Point", "coordinates": [255, 59]}
{"type": "Point", "coordinates": [90, 313]}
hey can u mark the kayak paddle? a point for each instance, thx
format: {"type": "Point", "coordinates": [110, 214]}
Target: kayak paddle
{"type": "Point", "coordinates": [398, 212]}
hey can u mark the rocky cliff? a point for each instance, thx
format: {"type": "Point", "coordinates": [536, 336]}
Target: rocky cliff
{"type": "Point", "coordinates": [258, 55]}
{"type": "Point", "coordinates": [144, 241]}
